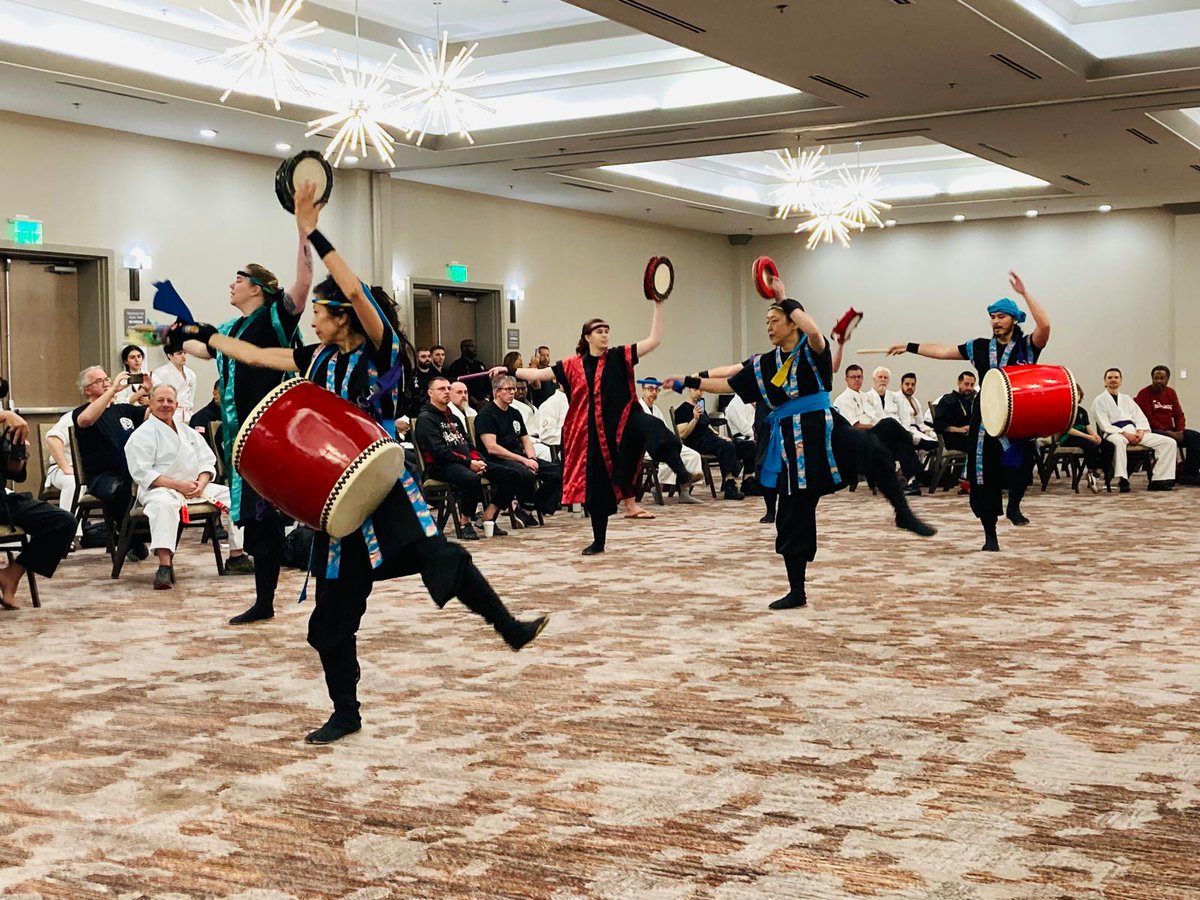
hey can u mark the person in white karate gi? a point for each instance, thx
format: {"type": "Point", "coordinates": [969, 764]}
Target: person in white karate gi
{"type": "Point", "coordinates": [175, 373]}
{"type": "Point", "coordinates": [60, 467]}
{"type": "Point", "coordinates": [171, 465]}
{"type": "Point", "coordinates": [551, 414]}
{"type": "Point", "coordinates": [879, 402]}
{"type": "Point", "coordinates": [880, 415]}
{"type": "Point", "coordinates": [1122, 423]}
{"type": "Point", "coordinates": [689, 457]}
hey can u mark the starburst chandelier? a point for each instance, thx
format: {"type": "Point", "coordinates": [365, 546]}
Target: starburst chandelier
{"type": "Point", "coordinates": [366, 96]}
{"type": "Point", "coordinates": [860, 193]}
{"type": "Point", "coordinates": [264, 45]}
{"type": "Point", "coordinates": [835, 210]}
{"type": "Point", "coordinates": [436, 97]}
{"type": "Point", "coordinates": [799, 191]}
{"type": "Point", "coordinates": [825, 225]}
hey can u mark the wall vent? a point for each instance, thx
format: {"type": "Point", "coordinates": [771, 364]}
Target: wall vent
{"type": "Point", "coordinates": [1017, 67]}
{"type": "Point", "coordinates": [1141, 136]}
{"type": "Point", "coordinates": [100, 90]}
{"type": "Point", "coordinates": [837, 85]}
{"type": "Point", "coordinates": [665, 16]}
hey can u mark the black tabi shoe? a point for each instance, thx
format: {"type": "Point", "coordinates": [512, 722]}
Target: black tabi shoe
{"type": "Point", "coordinates": [1123, 485]}
{"type": "Point", "coordinates": [334, 730]}
{"type": "Point", "coordinates": [255, 613]}
{"type": "Point", "coordinates": [592, 550]}
{"type": "Point", "coordinates": [991, 545]}
{"type": "Point", "coordinates": [732, 493]}
{"type": "Point", "coordinates": [768, 519]}
{"type": "Point", "coordinates": [524, 632]}
{"type": "Point", "coordinates": [468, 533]}
{"type": "Point", "coordinates": [164, 578]}
{"type": "Point", "coordinates": [1018, 519]}
{"type": "Point", "coordinates": [909, 522]}
{"type": "Point", "coordinates": [790, 601]}
{"type": "Point", "coordinates": [1165, 485]}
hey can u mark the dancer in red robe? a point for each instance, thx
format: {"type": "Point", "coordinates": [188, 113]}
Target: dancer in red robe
{"type": "Point", "coordinates": [602, 445]}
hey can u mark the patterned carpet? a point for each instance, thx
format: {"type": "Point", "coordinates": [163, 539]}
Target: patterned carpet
{"type": "Point", "coordinates": [938, 723]}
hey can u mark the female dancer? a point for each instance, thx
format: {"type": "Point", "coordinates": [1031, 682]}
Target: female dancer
{"type": "Point", "coordinates": [362, 356]}
{"type": "Point", "coordinates": [600, 454]}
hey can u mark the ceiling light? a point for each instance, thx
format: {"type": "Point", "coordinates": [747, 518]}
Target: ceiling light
{"type": "Point", "coordinates": [827, 224]}
{"type": "Point", "coordinates": [358, 121]}
{"type": "Point", "coordinates": [283, 148]}
{"type": "Point", "coordinates": [263, 49]}
{"type": "Point", "coordinates": [350, 160]}
{"type": "Point", "coordinates": [1031, 213]}
{"type": "Point", "coordinates": [960, 218]}
{"type": "Point", "coordinates": [798, 193]}
{"type": "Point", "coordinates": [859, 198]}
{"type": "Point", "coordinates": [1105, 207]}
{"type": "Point", "coordinates": [890, 223]}
{"type": "Point", "coordinates": [436, 95]}
{"type": "Point", "coordinates": [207, 133]}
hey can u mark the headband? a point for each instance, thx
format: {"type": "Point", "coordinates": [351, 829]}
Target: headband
{"type": "Point", "coordinates": [586, 331]}
{"type": "Point", "coordinates": [1006, 306]}
{"type": "Point", "coordinates": [258, 281]}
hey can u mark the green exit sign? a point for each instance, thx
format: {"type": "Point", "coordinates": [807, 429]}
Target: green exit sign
{"type": "Point", "coordinates": [456, 272]}
{"type": "Point", "coordinates": [24, 231]}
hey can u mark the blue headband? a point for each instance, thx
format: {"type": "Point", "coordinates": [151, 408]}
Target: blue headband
{"type": "Point", "coordinates": [1006, 306]}
{"type": "Point", "coordinates": [649, 382]}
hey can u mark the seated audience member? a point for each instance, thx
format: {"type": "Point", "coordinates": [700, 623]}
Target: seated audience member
{"type": "Point", "coordinates": [1082, 434]}
{"type": "Point", "coordinates": [60, 467]}
{"type": "Point", "coordinates": [882, 403]}
{"type": "Point", "coordinates": [174, 466]}
{"type": "Point", "coordinates": [178, 375]}
{"type": "Point", "coordinates": [49, 527]}
{"type": "Point", "coordinates": [136, 391]}
{"type": "Point", "coordinates": [1164, 412]}
{"type": "Point", "coordinates": [695, 430]}
{"type": "Point", "coordinates": [543, 390]}
{"type": "Point", "coordinates": [508, 448]}
{"type": "Point", "coordinates": [437, 359]}
{"type": "Point", "coordinates": [209, 413]}
{"type": "Point", "coordinates": [449, 457]}
{"type": "Point", "coordinates": [677, 465]}
{"type": "Point", "coordinates": [912, 414]}
{"type": "Point", "coordinates": [530, 417]}
{"type": "Point", "coordinates": [470, 364]}
{"type": "Point", "coordinates": [420, 382]}
{"type": "Point", "coordinates": [460, 405]}
{"type": "Point", "coordinates": [864, 411]}
{"type": "Point", "coordinates": [952, 415]}
{"type": "Point", "coordinates": [552, 412]}
{"type": "Point", "coordinates": [101, 428]}
{"type": "Point", "coordinates": [1123, 423]}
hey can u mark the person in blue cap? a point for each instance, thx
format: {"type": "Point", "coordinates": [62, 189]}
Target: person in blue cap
{"type": "Point", "coordinates": [994, 464]}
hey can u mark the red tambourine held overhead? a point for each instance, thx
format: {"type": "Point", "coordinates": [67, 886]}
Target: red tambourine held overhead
{"type": "Point", "coordinates": [846, 324]}
{"type": "Point", "coordinates": [764, 266]}
{"type": "Point", "coordinates": [659, 279]}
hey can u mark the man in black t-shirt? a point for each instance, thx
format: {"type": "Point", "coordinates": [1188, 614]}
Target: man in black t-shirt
{"type": "Point", "coordinates": [470, 364]}
{"type": "Point", "coordinates": [500, 432]}
{"type": "Point", "coordinates": [692, 422]}
{"type": "Point", "coordinates": [101, 429]}
{"type": "Point", "coordinates": [952, 415]}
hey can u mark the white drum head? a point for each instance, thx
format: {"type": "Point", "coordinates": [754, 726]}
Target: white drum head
{"type": "Point", "coordinates": [309, 170]}
{"type": "Point", "coordinates": [995, 403]}
{"type": "Point", "coordinates": [662, 280]}
{"type": "Point", "coordinates": [368, 480]}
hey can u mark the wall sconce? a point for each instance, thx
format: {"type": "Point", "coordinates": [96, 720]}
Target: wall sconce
{"type": "Point", "coordinates": [515, 292]}
{"type": "Point", "coordinates": [136, 260]}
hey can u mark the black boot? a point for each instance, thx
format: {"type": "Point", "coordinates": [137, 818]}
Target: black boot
{"type": "Point", "coordinates": [990, 543]}
{"type": "Point", "coordinates": [477, 595]}
{"type": "Point", "coordinates": [345, 720]}
{"type": "Point", "coordinates": [256, 613]}
{"type": "Point", "coordinates": [341, 678]}
{"type": "Point", "coordinates": [769, 498]}
{"type": "Point", "coordinates": [795, 597]}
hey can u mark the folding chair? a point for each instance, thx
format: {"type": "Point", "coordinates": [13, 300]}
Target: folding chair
{"type": "Point", "coordinates": [135, 523]}
{"type": "Point", "coordinates": [84, 503]}
{"type": "Point", "coordinates": [438, 494]}
{"type": "Point", "coordinates": [10, 537]}
{"type": "Point", "coordinates": [48, 494]}
{"type": "Point", "coordinates": [707, 460]}
{"type": "Point", "coordinates": [944, 459]}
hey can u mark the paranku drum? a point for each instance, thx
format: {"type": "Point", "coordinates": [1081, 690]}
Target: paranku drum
{"type": "Point", "coordinates": [308, 165]}
{"type": "Point", "coordinates": [764, 266]}
{"type": "Point", "coordinates": [320, 459]}
{"type": "Point", "coordinates": [846, 324]}
{"type": "Point", "coordinates": [1027, 401]}
{"type": "Point", "coordinates": [659, 278]}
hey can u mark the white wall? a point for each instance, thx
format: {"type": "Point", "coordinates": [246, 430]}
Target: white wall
{"type": "Point", "coordinates": [573, 266]}
{"type": "Point", "coordinates": [1105, 280]}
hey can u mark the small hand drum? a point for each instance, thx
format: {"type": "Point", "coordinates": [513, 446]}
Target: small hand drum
{"type": "Point", "coordinates": [308, 165]}
{"type": "Point", "coordinates": [659, 279]}
{"type": "Point", "coordinates": [846, 324]}
{"type": "Point", "coordinates": [764, 266]}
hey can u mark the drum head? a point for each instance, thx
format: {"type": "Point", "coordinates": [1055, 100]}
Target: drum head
{"type": "Point", "coordinates": [366, 484]}
{"type": "Point", "coordinates": [995, 402]}
{"type": "Point", "coordinates": [659, 278]}
{"type": "Point", "coordinates": [764, 266]}
{"type": "Point", "coordinates": [307, 166]}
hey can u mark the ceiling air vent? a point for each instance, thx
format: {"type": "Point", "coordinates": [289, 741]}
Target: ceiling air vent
{"type": "Point", "coordinates": [998, 151]}
{"type": "Point", "coordinates": [587, 187]}
{"type": "Point", "coordinates": [719, 212]}
{"type": "Point", "coordinates": [659, 14]}
{"type": "Point", "coordinates": [1196, 167]}
{"type": "Point", "coordinates": [100, 90]}
{"type": "Point", "coordinates": [1075, 180]}
{"type": "Point", "coordinates": [1017, 67]}
{"type": "Point", "coordinates": [1141, 136]}
{"type": "Point", "coordinates": [902, 2]}
{"type": "Point", "coordinates": [836, 85]}
{"type": "Point", "coordinates": [562, 164]}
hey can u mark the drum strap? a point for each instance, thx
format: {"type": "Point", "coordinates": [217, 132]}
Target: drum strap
{"type": "Point", "coordinates": [996, 361]}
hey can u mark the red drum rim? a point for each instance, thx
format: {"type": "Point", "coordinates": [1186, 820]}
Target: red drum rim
{"type": "Point", "coordinates": [257, 413]}
{"type": "Point", "coordinates": [651, 283]}
{"type": "Point", "coordinates": [763, 266]}
{"type": "Point", "coordinates": [847, 323]}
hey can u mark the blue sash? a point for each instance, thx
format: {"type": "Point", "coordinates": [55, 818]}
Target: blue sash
{"type": "Point", "coordinates": [793, 409]}
{"type": "Point", "coordinates": [1009, 459]}
{"type": "Point", "coordinates": [773, 462]}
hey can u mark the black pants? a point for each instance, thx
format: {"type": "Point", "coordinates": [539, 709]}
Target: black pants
{"type": "Point", "coordinates": [723, 450]}
{"type": "Point", "coordinates": [796, 525]}
{"type": "Point", "coordinates": [115, 491]}
{"type": "Point", "coordinates": [50, 531]}
{"type": "Point", "coordinates": [1190, 467]}
{"type": "Point", "coordinates": [895, 437]}
{"type": "Point", "coordinates": [661, 443]}
{"type": "Point", "coordinates": [960, 441]}
{"type": "Point", "coordinates": [447, 571]}
{"type": "Point", "coordinates": [533, 491]}
{"type": "Point", "coordinates": [1013, 473]}
{"type": "Point", "coordinates": [263, 539]}
{"type": "Point", "coordinates": [467, 485]}
{"type": "Point", "coordinates": [1093, 456]}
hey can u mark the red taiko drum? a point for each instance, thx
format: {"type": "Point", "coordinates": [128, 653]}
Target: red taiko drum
{"type": "Point", "coordinates": [320, 459]}
{"type": "Point", "coordinates": [1027, 401]}
{"type": "Point", "coordinates": [764, 266]}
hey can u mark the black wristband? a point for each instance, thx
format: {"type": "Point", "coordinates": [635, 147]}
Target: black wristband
{"type": "Point", "coordinates": [320, 243]}
{"type": "Point", "coordinates": [913, 347]}
{"type": "Point", "coordinates": [692, 381]}
{"type": "Point", "coordinates": [789, 306]}
{"type": "Point", "coordinates": [704, 374]}
{"type": "Point", "coordinates": [512, 371]}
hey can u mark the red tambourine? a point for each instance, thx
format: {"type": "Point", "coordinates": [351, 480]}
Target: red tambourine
{"type": "Point", "coordinates": [659, 279]}
{"type": "Point", "coordinates": [764, 266]}
{"type": "Point", "coordinates": [846, 324]}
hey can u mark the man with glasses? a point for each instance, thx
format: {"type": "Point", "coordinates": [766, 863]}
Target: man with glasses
{"type": "Point", "coordinates": [504, 440]}
{"type": "Point", "coordinates": [102, 427]}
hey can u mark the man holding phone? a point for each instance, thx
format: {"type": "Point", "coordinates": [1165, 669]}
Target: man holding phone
{"type": "Point", "coordinates": [695, 430]}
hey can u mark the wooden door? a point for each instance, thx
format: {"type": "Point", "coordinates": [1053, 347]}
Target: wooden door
{"type": "Point", "coordinates": [39, 331]}
{"type": "Point", "coordinates": [456, 322]}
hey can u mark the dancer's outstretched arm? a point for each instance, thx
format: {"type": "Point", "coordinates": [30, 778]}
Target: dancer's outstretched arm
{"type": "Point", "coordinates": [649, 344]}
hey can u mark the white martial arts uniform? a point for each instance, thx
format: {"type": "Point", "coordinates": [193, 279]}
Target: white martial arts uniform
{"type": "Point", "coordinates": [156, 449]}
{"type": "Point", "coordinates": [529, 416]}
{"type": "Point", "coordinates": [910, 415]}
{"type": "Point", "coordinates": [885, 407]}
{"type": "Point", "coordinates": [185, 389]}
{"type": "Point", "coordinates": [739, 415]}
{"type": "Point", "coordinates": [56, 477]}
{"type": "Point", "coordinates": [462, 417]}
{"type": "Point", "coordinates": [853, 407]}
{"type": "Point", "coordinates": [1119, 415]}
{"type": "Point", "coordinates": [551, 415]}
{"type": "Point", "coordinates": [691, 459]}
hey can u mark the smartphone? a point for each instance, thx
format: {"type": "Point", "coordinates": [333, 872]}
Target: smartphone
{"type": "Point", "coordinates": [137, 379]}
{"type": "Point", "coordinates": [700, 404]}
